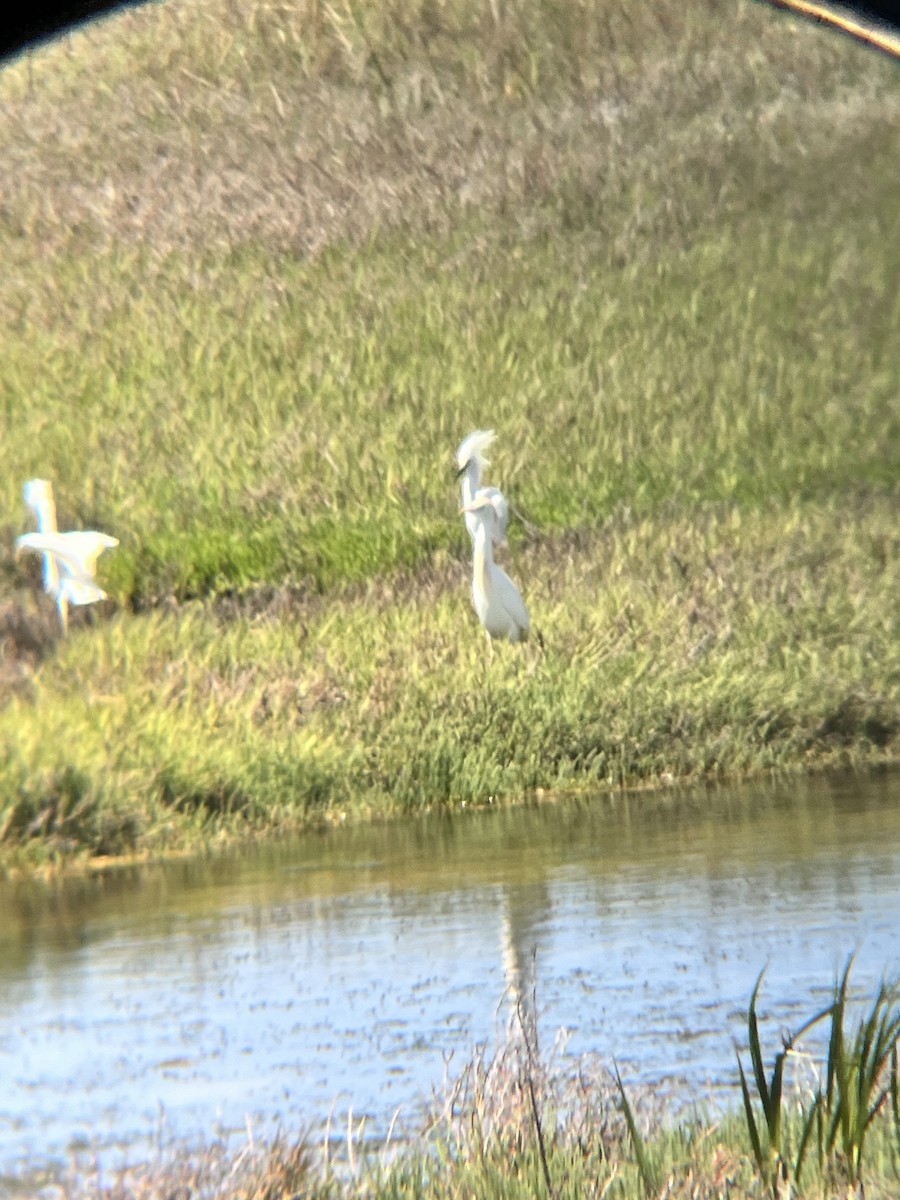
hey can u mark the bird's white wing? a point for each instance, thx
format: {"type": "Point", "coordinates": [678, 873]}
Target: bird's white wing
{"type": "Point", "coordinates": [75, 552]}
{"type": "Point", "coordinates": [87, 545]}
{"type": "Point", "coordinates": [512, 601]}
{"type": "Point", "coordinates": [80, 591]}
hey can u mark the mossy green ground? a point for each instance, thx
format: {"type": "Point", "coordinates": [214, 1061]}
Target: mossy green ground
{"type": "Point", "coordinates": [265, 267]}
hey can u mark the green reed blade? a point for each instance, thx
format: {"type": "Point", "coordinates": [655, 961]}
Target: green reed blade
{"type": "Point", "coordinates": [756, 1050]}
{"type": "Point", "coordinates": [755, 1142]}
{"type": "Point", "coordinates": [650, 1176]}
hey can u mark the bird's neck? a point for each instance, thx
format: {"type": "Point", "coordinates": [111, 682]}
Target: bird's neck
{"type": "Point", "coordinates": [483, 558]}
{"type": "Point", "coordinates": [470, 481]}
{"type": "Point", "coordinates": [45, 514]}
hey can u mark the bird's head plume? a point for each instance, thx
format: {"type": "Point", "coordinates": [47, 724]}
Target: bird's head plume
{"type": "Point", "coordinates": [474, 446]}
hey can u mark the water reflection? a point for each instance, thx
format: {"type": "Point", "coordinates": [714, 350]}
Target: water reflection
{"type": "Point", "coordinates": [355, 968]}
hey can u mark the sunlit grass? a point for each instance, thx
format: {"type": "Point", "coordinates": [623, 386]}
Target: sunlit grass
{"type": "Point", "coordinates": [714, 648]}
{"type": "Point", "coordinates": [267, 266]}
{"type": "Point", "coordinates": [248, 438]}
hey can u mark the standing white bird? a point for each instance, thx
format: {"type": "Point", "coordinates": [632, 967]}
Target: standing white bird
{"type": "Point", "coordinates": [497, 600]}
{"type": "Point", "coordinates": [70, 559]}
{"type": "Point", "coordinates": [471, 462]}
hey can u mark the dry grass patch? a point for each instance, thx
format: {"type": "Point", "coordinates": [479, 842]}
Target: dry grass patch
{"type": "Point", "coordinates": [204, 126]}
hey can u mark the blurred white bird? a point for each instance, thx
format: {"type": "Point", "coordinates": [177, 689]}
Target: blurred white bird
{"type": "Point", "coordinates": [471, 462]}
{"type": "Point", "coordinates": [497, 601]}
{"type": "Point", "coordinates": [39, 498]}
{"type": "Point", "coordinates": [70, 559]}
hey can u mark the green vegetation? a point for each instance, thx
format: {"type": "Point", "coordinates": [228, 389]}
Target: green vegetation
{"type": "Point", "coordinates": [861, 1074]}
{"type": "Point", "coordinates": [265, 266]}
{"type": "Point", "coordinates": [517, 1125]}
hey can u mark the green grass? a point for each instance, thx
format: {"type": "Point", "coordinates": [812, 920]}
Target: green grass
{"type": "Point", "coordinates": [664, 661]}
{"type": "Point", "coordinates": [267, 266]}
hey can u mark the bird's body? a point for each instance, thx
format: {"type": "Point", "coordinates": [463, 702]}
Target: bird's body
{"type": "Point", "coordinates": [75, 554]}
{"type": "Point", "coordinates": [470, 462]}
{"type": "Point", "coordinates": [498, 603]}
{"type": "Point", "coordinates": [70, 559]}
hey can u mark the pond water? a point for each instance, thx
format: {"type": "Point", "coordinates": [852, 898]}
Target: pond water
{"type": "Point", "coordinates": [355, 970]}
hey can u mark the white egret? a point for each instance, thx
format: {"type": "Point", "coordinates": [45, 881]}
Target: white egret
{"type": "Point", "coordinates": [497, 600]}
{"type": "Point", "coordinates": [471, 462]}
{"type": "Point", "coordinates": [76, 584]}
{"type": "Point", "coordinates": [70, 559]}
{"type": "Point", "coordinates": [74, 557]}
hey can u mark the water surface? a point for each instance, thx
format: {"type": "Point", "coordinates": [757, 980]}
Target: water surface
{"type": "Point", "coordinates": [354, 970]}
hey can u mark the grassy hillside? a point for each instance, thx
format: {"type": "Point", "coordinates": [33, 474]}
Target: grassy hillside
{"type": "Point", "coordinates": [267, 265]}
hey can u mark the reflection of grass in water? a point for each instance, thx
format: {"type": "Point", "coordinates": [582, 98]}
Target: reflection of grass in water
{"type": "Point", "coordinates": [622, 835]}
{"type": "Point", "coordinates": [518, 1123]}
{"type": "Point", "coordinates": [661, 269]}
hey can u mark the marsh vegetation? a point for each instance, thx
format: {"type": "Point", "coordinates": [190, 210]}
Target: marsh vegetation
{"type": "Point", "coordinates": [266, 265]}
{"type": "Point", "coordinates": [511, 1125]}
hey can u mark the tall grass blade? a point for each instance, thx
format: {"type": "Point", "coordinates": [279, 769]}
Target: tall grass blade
{"type": "Point", "coordinates": [755, 1142]}
{"type": "Point", "coordinates": [836, 1038]}
{"type": "Point", "coordinates": [756, 1051]}
{"type": "Point", "coordinates": [856, 1089]}
{"type": "Point", "coordinates": [770, 1156]}
{"type": "Point", "coordinates": [814, 1121]}
{"type": "Point", "coordinates": [650, 1176]}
